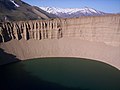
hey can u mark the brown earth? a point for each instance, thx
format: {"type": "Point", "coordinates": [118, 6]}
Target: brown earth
{"type": "Point", "coordinates": [95, 38]}
{"type": "Point", "coordinates": [64, 47]}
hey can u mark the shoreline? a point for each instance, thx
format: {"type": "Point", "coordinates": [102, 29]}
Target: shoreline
{"type": "Point", "coordinates": [64, 47]}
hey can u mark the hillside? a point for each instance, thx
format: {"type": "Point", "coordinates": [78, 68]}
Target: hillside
{"type": "Point", "coordinates": [14, 10]}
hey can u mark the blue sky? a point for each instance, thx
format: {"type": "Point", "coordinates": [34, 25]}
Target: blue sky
{"type": "Point", "coordinates": [109, 6]}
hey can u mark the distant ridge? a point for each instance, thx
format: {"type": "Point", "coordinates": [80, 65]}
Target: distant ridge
{"type": "Point", "coordinates": [73, 12]}
{"type": "Point", "coordinates": [16, 10]}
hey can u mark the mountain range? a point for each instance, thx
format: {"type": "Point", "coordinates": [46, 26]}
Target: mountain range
{"type": "Point", "coordinates": [72, 12]}
{"type": "Point", "coordinates": [14, 10]}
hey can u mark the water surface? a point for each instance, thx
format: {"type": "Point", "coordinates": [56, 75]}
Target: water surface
{"type": "Point", "coordinates": [59, 74]}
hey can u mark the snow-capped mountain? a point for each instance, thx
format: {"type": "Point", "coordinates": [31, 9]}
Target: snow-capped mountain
{"type": "Point", "coordinates": [72, 12]}
{"type": "Point", "coordinates": [15, 10]}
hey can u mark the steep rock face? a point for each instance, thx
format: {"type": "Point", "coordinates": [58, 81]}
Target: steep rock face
{"type": "Point", "coordinates": [99, 29]}
{"type": "Point", "coordinates": [104, 29]}
{"type": "Point", "coordinates": [16, 10]}
{"type": "Point", "coordinates": [86, 37]}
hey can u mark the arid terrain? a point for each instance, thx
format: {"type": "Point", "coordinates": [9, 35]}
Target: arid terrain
{"type": "Point", "coordinates": [95, 37]}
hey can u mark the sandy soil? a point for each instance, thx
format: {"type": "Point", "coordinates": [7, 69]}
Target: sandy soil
{"type": "Point", "coordinates": [64, 47]}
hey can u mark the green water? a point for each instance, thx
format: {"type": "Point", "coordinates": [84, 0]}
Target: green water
{"type": "Point", "coordinates": [59, 74]}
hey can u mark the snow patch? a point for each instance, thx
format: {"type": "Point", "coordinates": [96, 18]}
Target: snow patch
{"type": "Point", "coordinates": [55, 10]}
{"type": "Point", "coordinates": [14, 3]}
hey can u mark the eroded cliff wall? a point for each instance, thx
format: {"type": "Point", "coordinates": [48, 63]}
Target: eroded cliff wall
{"type": "Point", "coordinates": [36, 29]}
{"type": "Point", "coordinates": [86, 37]}
{"type": "Point", "coordinates": [99, 29]}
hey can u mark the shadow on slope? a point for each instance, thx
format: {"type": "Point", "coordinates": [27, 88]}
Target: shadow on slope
{"type": "Point", "coordinates": [15, 77]}
{"type": "Point", "coordinates": [6, 57]}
